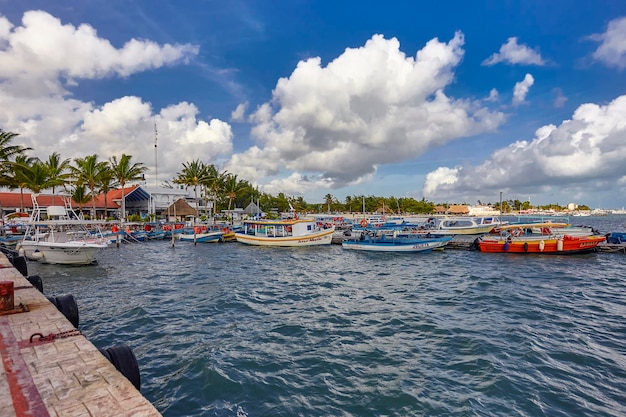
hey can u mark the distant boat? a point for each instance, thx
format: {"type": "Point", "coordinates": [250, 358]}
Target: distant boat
{"type": "Point", "coordinates": [396, 242]}
{"type": "Point", "coordinates": [520, 238]}
{"type": "Point", "coordinates": [289, 232]}
{"type": "Point", "coordinates": [462, 225]}
{"type": "Point", "coordinates": [199, 234]}
{"type": "Point", "coordinates": [56, 235]}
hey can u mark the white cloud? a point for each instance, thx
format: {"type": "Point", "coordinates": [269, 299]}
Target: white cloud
{"type": "Point", "coordinates": [521, 89]}
{"type": "Point", "coordinates": [371, 105]}
{"type": "Point", "coordinates": [41, 61]}
{"type": "Point", "coordinates": [612, 48]}
{"type": "Point", "coordinates": [493, 95]}
{"type": "Point", "coordinates": [44, 57]}
{"type": "Point", "coordinates": [512, 53]}
{"type": "Point", "coordinates": [589, 148]}
{"type": "Point", "coordinates": [559, 99]}
{"type": "Point", "coordinates": [238, 115]}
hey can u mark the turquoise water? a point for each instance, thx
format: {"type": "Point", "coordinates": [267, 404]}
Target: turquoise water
{"type": "Point", "coordinates": [233, 330]}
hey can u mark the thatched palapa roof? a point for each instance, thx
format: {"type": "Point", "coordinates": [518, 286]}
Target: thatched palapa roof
{"type": "Point", "coordinates": [181, 208]}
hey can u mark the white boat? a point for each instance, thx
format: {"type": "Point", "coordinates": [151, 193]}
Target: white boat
{"type": "Point", "coordinates": [463, 225]}
{"type": "Point", "coordinates": [289, 232]}
{"type": "Point", "coordinates": [56, 235]}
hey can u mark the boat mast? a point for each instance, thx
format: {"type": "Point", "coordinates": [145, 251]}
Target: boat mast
{"type": "Point", "coordinates": [156, 167]}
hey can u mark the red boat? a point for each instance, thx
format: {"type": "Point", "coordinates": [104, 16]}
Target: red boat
{"type": "Point", "coordinates": [517, 240]}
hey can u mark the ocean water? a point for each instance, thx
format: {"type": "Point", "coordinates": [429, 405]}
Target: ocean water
{"type": "Point", "coordinates": [232, 330]}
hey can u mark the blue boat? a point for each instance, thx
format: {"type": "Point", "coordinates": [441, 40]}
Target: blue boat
{"type": "Point", "coordinates": [396, 242]}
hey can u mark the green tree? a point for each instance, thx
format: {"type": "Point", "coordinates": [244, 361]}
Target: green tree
{"type": "Point", "coordinates": [124, 171]}
{"type": "Point", "coordinates": [18, 176]}
{"type": "Point", "coordinates": [194, 174]}
{"type": "Point", "coordinates": [36, 177]}
{"type": "Point", "coordinates": [9, 152]}
{"type": "Point", "coordinates": [106, 183]}
{"type": "Point", "coordinates": [80, 195]}
{"type": "Point", "coordinates": [87, 171]}
{"type": "Point", "coordinates": [232, 187]}
{"type": "Point", "coordinates": [58, 171]}
{"type": "Point", "coordinates": [215, 184]}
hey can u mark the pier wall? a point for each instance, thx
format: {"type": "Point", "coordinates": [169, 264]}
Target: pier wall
{"type": "Point", "coordinates": [50, 369]}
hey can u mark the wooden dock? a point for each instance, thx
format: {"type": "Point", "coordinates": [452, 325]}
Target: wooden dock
{"type": "Point", "coordinates": [50, 369]}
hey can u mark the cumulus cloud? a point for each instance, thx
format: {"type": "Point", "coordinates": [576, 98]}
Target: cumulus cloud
{"type": "Point", "coordinates": [512, 53]}
{"type": "Point", "coordinates": [493, 95]}
{"type": "Point", "coordinates": [520, 90]}
{"type": "Point", "coordinates": [43, 60]}
{"type": "Point", "coordinates": [589, 147]}
{"type": "Point", "coordinates": [238, 115]}
{"type": "Point", "coordinates": [370, 106]}
{"type": "Point", "coordinates": [45, 49]}
{"type": "Point", "coordinates": [612, 48]}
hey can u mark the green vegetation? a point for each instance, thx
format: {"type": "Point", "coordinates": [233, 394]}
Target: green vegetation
{"type": "Point", "coordinates": [86, 178]}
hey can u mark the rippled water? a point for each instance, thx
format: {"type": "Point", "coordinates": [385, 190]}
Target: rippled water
{"type": "Point", "coordinates": [227, 329]}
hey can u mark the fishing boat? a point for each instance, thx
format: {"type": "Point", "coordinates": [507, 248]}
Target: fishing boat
{"type": "Point", "coordinates": [463, 225]}
{"type": "Point", "coordinates": [287, 232]}
{"type": "Point", "coordinates": [396, 242]}
{"type": "Point", "coordinates": [523, 238]}
{"type": "Point", "coordinates": [56, 235]}
{"type": "Point", "coordinates": [200, 234]}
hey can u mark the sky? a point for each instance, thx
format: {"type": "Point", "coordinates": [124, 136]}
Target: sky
{"type": "Point", "coordinates": [451, 101]}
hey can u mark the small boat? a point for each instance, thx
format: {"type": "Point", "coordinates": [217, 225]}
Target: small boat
{"type": "Point", "coordinates": [200, 234]}
{"type": "Point", "coordinates": [463, 225]}
{"type": "Point", "coordinates": [396, 242]}
{"type": "Point", "coordinates": [56, 235]}
{"type": "Point", "coordinates": [615, 242]}
{"type": "Point", "coordinates": [520, 238]}
{"type": "Point", "coordinates": [288, 232]}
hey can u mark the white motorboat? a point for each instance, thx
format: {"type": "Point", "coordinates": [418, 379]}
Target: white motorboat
{"type": "Point", "coordinates": [56, 235]}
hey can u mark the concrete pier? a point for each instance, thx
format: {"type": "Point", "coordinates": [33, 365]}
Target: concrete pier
{"type": "Point", "coordinates": [61, 373]}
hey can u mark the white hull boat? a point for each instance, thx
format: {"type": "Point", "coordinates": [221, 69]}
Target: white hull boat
{"type": "Point", "coordinates": [55, 235]}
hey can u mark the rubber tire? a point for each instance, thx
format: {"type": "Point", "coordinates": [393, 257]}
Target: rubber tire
{"type": "Point", "coordinates": [19, 262]}
{"type": "Point", "coordinates": [124, 360]}
{"type": "Point", "coordinates": [66, 304]}
{"type": "Point", "coordinates": [36, 282]}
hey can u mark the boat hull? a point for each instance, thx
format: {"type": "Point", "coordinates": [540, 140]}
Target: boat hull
{"type": "Point", "coordinates": [321, 238]}
{"type": "Point", "coordinates": [201, 237]}
{"type": "Point", "coordinates": [562, 245]}
{"type": "Point", "coordinates": [396, 245]}
{"type": "Point", "coordinates": [61, 253]}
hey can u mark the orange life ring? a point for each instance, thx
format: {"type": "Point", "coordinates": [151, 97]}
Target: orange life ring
{"type": "Point", "coordinates": [115, 229]}
{"type": "Point", "coordinates": [364, 223]}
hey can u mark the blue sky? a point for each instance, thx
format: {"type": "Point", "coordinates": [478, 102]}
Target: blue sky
{"type": "Point", "coordinates": [452, 101]}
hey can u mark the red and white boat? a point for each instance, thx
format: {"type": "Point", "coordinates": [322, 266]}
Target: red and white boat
{"type": "Point", "coordinates": [522, 238]}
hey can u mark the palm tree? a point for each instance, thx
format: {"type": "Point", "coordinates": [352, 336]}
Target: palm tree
{"type": "Point", "coordinates": [124, 171]}
{"type": "Point", "coordinates": [17, 175]}
{"type": "Point", "coordinates": [57, 171]}
{"type": "Point", "coordinates": [8, 152]}
{"type": "Point", "coordinates": [215, 183]}
{"type": "Point", "coordinates": [233, 187]}
{"type": "Point", "coordinates": [328, 199]}
{"type": "Point", "coordinates": [80, 195]}
{"type": "Point", "coordinates": [35, 177]}
{"type": "Point", "coordinates": [87, 171]}
{"type": "Point", "coordinates": [106, 183]}
{"type": "Point", "coordinates": [193, 174]}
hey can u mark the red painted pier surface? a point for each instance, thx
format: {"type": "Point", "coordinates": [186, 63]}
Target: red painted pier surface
{"type": "Point", "coordinates": [57, 376]}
